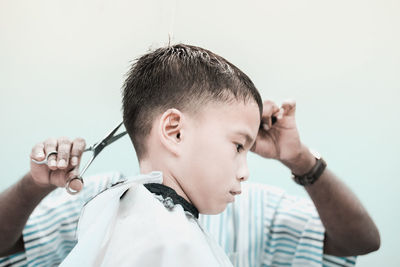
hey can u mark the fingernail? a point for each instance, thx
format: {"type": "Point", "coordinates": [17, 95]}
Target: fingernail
{"type": "Point", "coordinates": [265, 126]}
{"type": "Point", "coordinates": [39, 154]}
{"type": "Point", "coordinates": [74, 161]}
{"type": "Point", "coordinates": [62, 163]}
{"type": "Point", "coordinates": [52, 163]}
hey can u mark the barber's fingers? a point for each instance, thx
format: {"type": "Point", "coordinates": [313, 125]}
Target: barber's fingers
{"type": "Point", "coordinates": [60, 178]}
{"type": "Point", "coordinates": [50, 145]}
{"type": "Point", "coordinates": [270, 109]}
{"type": "Point", "coordinates": [78, 146]}
{"type": "Point", "coordinates": [57, 177]}
{"type": "Point", "coordinates": [63, 152]}
{"type": "Point", "coordinates": [60, 166]}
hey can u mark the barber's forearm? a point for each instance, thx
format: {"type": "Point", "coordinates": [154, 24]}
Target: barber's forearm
{"type": "Point", "coordinates": [16, 204]}
{"type": "Point", "coordinates": [349, 228]}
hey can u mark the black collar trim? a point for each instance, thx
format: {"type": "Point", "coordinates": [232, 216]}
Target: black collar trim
{"type": "Point", "coordinates": [165, 192]}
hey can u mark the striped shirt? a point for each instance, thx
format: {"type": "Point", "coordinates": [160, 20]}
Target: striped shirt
{"type": "Point", "coordinates": [266, 227]}
{"type": "Point", "coordinates": [263, 227]}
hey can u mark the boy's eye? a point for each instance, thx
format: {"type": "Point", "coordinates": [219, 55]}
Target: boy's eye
{"type": "Point", "coordinates": [239, 147]}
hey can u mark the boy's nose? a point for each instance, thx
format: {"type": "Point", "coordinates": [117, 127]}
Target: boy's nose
{"type": "Point", "coordinates": [243, 172]}
{"type": "Point", "coordinates": [244, 178]}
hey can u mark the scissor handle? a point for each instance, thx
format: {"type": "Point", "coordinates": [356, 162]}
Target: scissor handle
{"type": "Point", "coordinates": [46, 160]}
{"type": "Point", "coordinates": [69, 189]}
{"type": "Point", "coordinates": [96, 149]}
{"type": "Point", "coordinates": [79, 177]}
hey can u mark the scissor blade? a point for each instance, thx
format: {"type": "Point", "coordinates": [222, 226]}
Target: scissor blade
{"type": "Point", "coordinates": [111, 134]}
{"type": "Point", "coordinates": [98, 147]}
{"type": "Point", "coordinates": [115, 138]}
{"type": "Point", "coordinates": [106, 141]}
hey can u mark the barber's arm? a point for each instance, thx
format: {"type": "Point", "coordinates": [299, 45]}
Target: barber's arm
{"type": "Point", "coordinates": [349, 229]}
{"type": "Point", "coordinates": [18, 201]}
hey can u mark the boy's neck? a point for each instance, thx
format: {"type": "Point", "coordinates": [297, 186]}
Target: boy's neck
{"type": "Point", "coordinates": [168, 179]}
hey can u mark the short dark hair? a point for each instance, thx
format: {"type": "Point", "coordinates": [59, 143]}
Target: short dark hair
{"type": "Point", "coordinates": [181, 76]}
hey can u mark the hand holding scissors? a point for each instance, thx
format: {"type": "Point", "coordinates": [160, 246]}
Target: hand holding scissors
{"type": "Point", "coordinates": [56, 161]}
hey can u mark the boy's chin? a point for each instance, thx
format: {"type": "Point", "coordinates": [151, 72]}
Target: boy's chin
{"type": "Point", "coordinates": [213, 210]}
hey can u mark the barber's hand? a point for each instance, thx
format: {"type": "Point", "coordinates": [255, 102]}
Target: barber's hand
{"type": "Point", "coordinates": [281, 140]}
{"type": "Point", "coordinates": [60, 167]}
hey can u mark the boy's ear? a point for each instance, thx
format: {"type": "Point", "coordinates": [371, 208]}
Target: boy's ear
{"type": "Point", "coordinates": [170, 129]}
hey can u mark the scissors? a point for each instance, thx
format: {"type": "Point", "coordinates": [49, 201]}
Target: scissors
{"type": "Point", "coordinates": [95, 148]}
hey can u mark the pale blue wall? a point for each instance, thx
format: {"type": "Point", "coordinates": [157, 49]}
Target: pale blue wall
{"type": "Point", "coordinates": [62, 64]}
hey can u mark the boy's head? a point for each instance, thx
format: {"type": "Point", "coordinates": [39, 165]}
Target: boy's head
{"type": "Point", "coordinates": [188, 112]}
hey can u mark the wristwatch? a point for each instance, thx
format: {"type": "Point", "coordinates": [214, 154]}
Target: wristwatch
{"type": "Point", "coordinates": [310, 177]}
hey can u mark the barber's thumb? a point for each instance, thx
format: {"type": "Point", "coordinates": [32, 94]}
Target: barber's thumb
{"type": "Point", "coordinates": [76, 185]}
{"type": "Point", "coordinates": [289, 107]}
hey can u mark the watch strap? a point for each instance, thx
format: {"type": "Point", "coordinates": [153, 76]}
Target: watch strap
{"type": "Point", "coordinates": [310, 177]}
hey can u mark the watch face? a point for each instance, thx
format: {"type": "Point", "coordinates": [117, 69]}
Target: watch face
{"type": "Point", "coordinates": [315, 153]}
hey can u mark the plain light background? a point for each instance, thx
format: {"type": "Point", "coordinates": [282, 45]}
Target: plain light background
{"type": "Point", "coordinates": [62, 64]}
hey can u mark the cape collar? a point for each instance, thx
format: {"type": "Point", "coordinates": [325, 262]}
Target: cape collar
{"type": "Point", "coordinates": [169, 195]}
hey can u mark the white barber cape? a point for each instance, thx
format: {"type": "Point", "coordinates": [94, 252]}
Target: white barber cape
{"type": "Point", "coordinates": [138, 230]}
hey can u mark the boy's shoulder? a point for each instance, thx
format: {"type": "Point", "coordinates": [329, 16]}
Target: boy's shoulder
{"type": "Point", "coordinates": [140, 210]}
{"type": "Point", "coordinates": [130, 202]}
{"type": "Point", "coordinates": [135, 220]}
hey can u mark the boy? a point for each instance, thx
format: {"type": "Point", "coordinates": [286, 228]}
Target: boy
{"type": "Point", "coordinates": [192, 117]}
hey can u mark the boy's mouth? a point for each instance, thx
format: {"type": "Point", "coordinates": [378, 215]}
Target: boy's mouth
{"type": "Point", "coordinates": [234, 193]}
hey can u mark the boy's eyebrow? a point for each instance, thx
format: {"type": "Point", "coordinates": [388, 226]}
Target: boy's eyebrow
{"type": "Point", "coordinates": [249, 139]}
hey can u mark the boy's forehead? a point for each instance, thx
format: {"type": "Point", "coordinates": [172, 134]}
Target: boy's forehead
{"type": "Point", "coordinates": [234, 108]}
{"type": "Point", "coordinates": [238, 116]}
{"type": "Point", "coordinates": [233, 105]}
